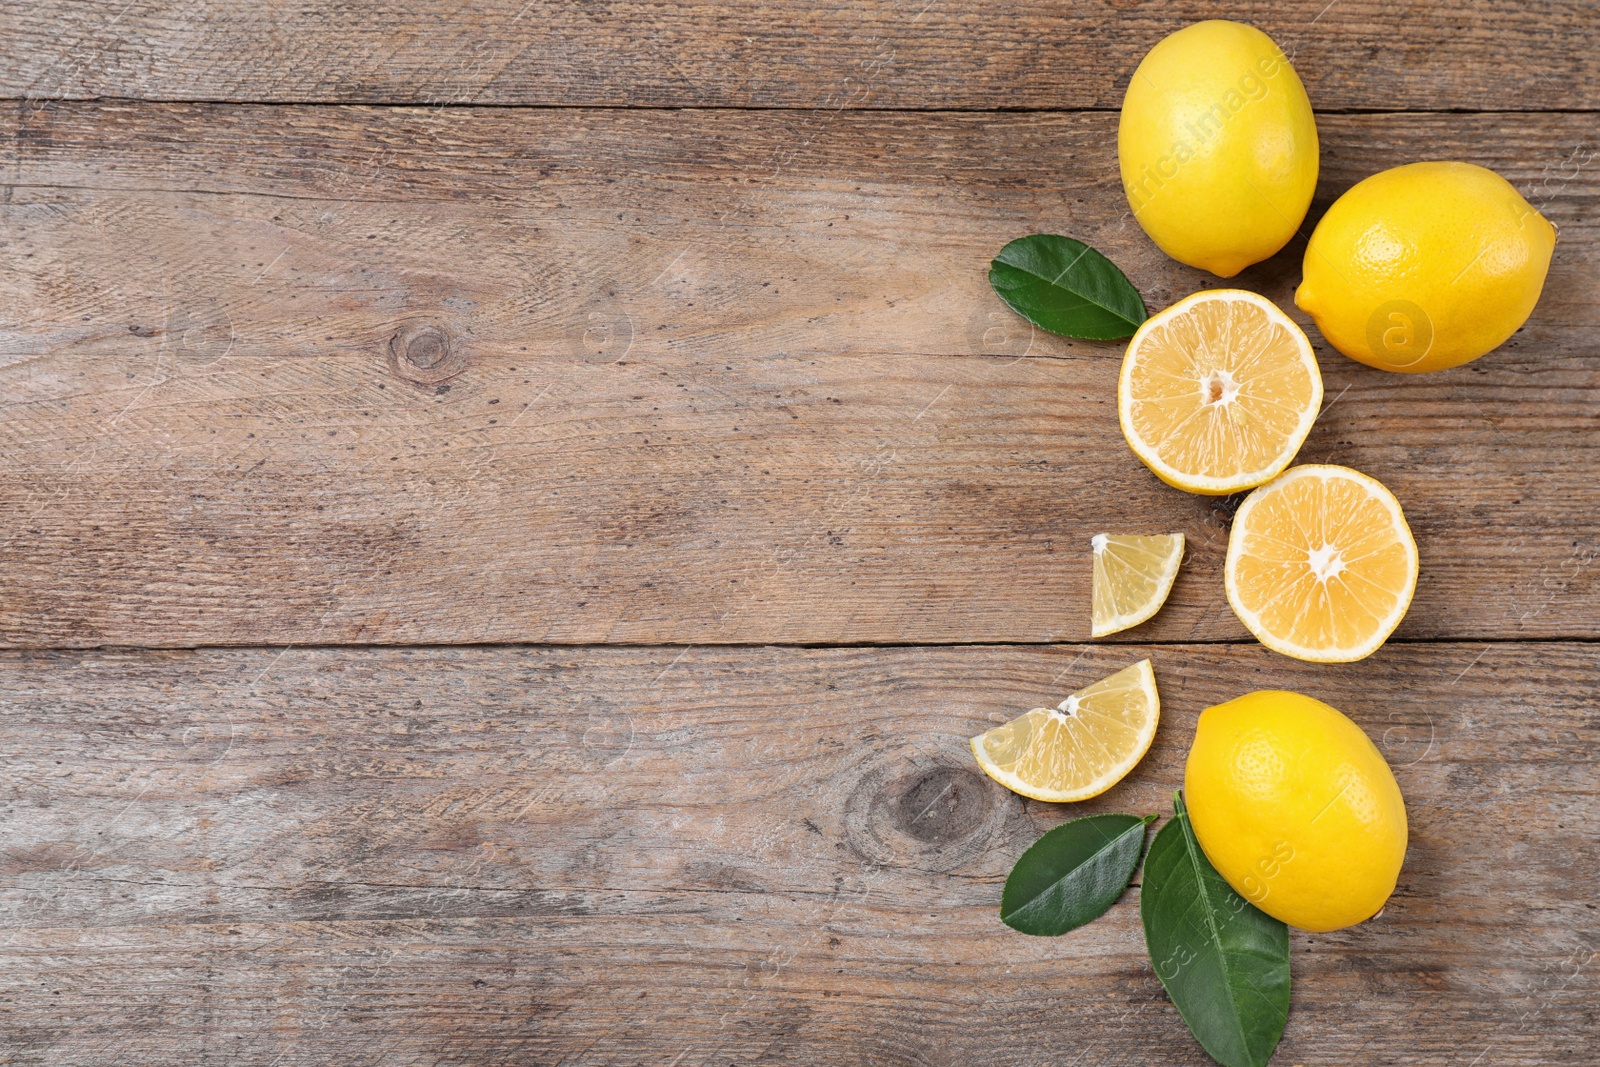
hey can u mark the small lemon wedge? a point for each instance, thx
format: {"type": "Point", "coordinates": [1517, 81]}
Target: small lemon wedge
{"type": "Point", "coordinates": [1321, 564]}
{"type": "Point", "coordinates": [1133, 573]}
{"type": "Point", "coordinates": [1080, 748]}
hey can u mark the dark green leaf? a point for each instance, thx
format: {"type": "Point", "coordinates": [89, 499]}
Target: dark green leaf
{"type": "Point", "coordinates": [1073, 874]}
{"type": "Point", "coordinates": [1224, 963]}
{"type": "Point", "coordinates": [1066, 287]}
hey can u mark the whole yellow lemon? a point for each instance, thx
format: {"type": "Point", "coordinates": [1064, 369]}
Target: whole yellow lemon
{"type": "Point", "coordinates": [1218, 147]}
{"type": "Point", "coordinates": [1296, 809]}
{"type": "Point", "coordinates": [1425, 266]}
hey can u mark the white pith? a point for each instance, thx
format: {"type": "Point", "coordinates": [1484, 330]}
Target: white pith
{"type": "Point", "coordinates": [1325, 562]}
{"type": "Point", "coordinates": [1219, 387]}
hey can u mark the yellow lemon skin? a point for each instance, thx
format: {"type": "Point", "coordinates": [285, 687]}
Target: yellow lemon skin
{"type": "Point", "coordinates": [1218, 146]}
{"type": "Point", "coordinates": [1425, 267]}
{"type": "Point", "coordinates": [1296, 809]}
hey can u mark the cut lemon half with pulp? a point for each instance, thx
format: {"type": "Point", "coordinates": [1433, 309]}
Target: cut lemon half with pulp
{"type": "Point", "coordinates": [1080, 748]}
{"type": "Point", "coordinates": [1133, 573]}
{"type": "Point", "coordinates": [1218, 392]}
{"type": "Point", "coordinates": [1321, 564]}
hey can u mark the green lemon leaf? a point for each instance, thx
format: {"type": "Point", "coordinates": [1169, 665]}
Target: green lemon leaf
{"type": "Point", "coordinates": [1066, 287]}
{"type": "Point", "coordinates": [1073, 874]}
{"type": "Point", "coordinates": [1224, 963]}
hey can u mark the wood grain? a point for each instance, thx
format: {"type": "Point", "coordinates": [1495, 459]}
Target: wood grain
{"type": "Point", "coordinates": [572, 373]}
{"type": "Point", "coordinates": [710, 378]}
{"type": "Point", "coordinates": [1362, 54]}
{"type": "Point", "coordinates": [726, 856]}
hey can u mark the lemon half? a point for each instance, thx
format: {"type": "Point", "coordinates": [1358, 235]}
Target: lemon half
{"type": "Point", "coordinates": [1321, 564]}
{"type": "Point", "coordinates": [1218, 392]}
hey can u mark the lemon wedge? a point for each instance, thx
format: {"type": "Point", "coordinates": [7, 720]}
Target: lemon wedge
{"type": "Point", "coordinates": [1321, 564]}
{"type": "Point", "coordinates": [1080, 748]}
{"type": "Point", "coordinates": [1218, 392]}
{"type": "Point", "coordinates": [1133, 573]}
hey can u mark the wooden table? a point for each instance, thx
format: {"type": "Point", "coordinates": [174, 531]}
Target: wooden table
{"type": "Point", "coordinates": [511, 511]}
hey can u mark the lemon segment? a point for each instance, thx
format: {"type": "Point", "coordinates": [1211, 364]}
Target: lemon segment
{"type": "Point", "coordinates": [1296, 808]}
{"type": "Point", "coordinates": [1080, 748]}
{"type": "Point", "coordinates": [1218, 392]}
{"type": "Point", "coordinates": [1133, 573]}
{"type": "Point", "coordinates": [1321, 564]}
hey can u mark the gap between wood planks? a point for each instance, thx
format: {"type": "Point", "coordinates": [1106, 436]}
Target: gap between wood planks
{"type": "Point", "coordinates": [390, 105]}
{"type": "Point", "coordinates": [600, 646]}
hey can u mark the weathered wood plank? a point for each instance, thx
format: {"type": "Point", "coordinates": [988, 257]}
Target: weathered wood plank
{"type": "Point", "coordinates": [727, 378]}
{"type": "Point", "coordinates": [620, 856]}
{"type": "Point", "coordinates": [865, 53]}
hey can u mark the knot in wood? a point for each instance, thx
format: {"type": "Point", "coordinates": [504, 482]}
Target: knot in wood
{"type": "Point", "coordinates": [424, 353]}
{"type": "Point", "coordinates": [423, 347]}
{"type": "Point", "coordinates": [932, 816]}
{"type": "Point", "coordinates": [942, 806]}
